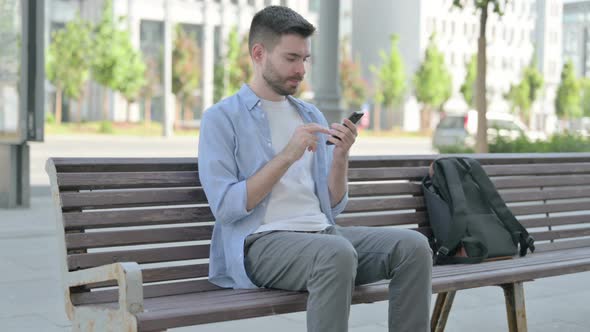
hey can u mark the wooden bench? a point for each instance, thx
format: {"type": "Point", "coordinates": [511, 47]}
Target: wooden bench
{"type": "Point", "coordinates": [135, 237]}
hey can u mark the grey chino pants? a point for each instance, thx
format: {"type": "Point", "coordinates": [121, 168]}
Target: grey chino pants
{"type": "Point", "coordinates": [330, 263]}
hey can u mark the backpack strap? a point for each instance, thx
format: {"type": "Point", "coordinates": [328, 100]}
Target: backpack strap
{"type": "Point", "coordinates": [519, 233]}
{"type": "Point", "coordinates": [450, 186]}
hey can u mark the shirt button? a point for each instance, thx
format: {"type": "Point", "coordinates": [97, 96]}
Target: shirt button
{"type": "Point", "coordinates": [269, 144]}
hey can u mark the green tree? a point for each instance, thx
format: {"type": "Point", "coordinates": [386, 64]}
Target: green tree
{"type": "Point", "coordinates": [468, 87]}
{"type": "Point", "coordinates": [433, 82]}
{"type": "Point", "coordinates": [152, 86]}
{"type": "Point", "coordinates": [218, 81]}
{"type": "Point", "coordinates": [186, 72]}
{"type": "Point", "coordinates": [67, 64]}
{"type": "Point", "coordinates": [534, 79]}
{"type": "Point", "coordinates": [522, 96]}
{"type": "Point", "coordinates": [238, 64]}
{"type": "Point", "coordinates": [585, 96]}
{"type": "Point", "coordinates": [112, 55]}
{"type": "Point", "coordinates": [482, 8]}
{"type": "Point", "coordinates": [567, 102]}
{"type": "Point", "coordinates": [353, 86]}
{"type": "Point", "coordinates": [518, 98]}
{"type": "Point", "coordinates": [131, 73]}
{"type": "Point", "coordinates": [391, 81]}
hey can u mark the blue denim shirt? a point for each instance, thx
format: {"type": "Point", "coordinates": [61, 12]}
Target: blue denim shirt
{"type": "Point", "coordinates": [234, 143]}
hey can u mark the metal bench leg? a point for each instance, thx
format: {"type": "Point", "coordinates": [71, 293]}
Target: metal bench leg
{"type": "Point", "coordinates": [442, 307]}
{"type": "Point", "coordinates": [515, 309]}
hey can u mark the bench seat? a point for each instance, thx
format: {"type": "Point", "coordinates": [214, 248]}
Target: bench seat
{"type": "Point", "coordinates": [219, 305]}
{"type": "Point", "coordinates": [153, 213]}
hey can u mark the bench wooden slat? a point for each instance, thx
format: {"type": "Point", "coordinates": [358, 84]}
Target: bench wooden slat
{"type": "Point", "coordinates": [562, 245]}
{"type": "Point", "coordinates": [125, 218]}
{"type": "Point", "coordinates": [381, 204]}
{"type": "Point", "coordinates": [412, 218]}
{"type": "Point", "coordinates": [136, 237]}
{"type": "Point", "coordinates": [556, 221]}
{"type": "Point", "coordinates": [537, 169]}
{"type": "Point", "coordinates": [374, 174]}
{"type": "Point", "coordinates": [116, 180]}
{"type": "Point", "coordinates": [560, 234]}
{"type": "Point", "coordinates": [151, 255]}
{"type": "Point", "coordinates": [484, 159]}
{"type": "Point", "coordinates": [124, 164]}
{"type": "Point", "coordinates": [561, 193]}
{"type": "Point", "coordinates": [130, 198]}
{"type": "Point", "coordinates": [167, 273]}
{"type": "Point", "coordinates": [149, 291]}
{"type": "Point", "coordinates": [529, 260]}
{"type": "Point", "coordinates": [551, 207]}
{"type": "Point", "coordinates": [383, 189]}
{"type": "Point", "coordinates": [541, 181]}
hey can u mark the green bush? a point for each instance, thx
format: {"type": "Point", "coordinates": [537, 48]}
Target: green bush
{"type": "Point", "coordinates": [557, 143]}
{"type": "Point", "coordinates": [455, 149]}
{"type": "Point", "coordinates": [106, 128]}
{"type": "Point", "coordinates": [49, 118]}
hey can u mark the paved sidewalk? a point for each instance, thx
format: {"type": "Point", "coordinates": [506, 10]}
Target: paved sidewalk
{"type": "Point", "coordinates": [31, 298]}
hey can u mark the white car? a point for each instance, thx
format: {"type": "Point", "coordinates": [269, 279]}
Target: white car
{"type": "Point", "coordinates": [460, 129]}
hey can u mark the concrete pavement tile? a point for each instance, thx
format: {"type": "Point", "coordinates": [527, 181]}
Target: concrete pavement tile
{"type": "Point", "coordinates": [11, 271]}
{"type": "Point", "coordinates": [572, 309]}
{"type": "Point", "coordinates": [557, 326]}
{"type": "Point", "coordinates": [30, 323]}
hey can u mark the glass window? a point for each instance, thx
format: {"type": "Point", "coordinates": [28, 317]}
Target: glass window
{"type": "Point", "coordinates": [10, 60]}
{"type": "Point", "coordinates": [452, 122]}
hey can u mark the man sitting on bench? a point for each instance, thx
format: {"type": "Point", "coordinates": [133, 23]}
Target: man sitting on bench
{"type": "Point", "coordinates": [275, 187]}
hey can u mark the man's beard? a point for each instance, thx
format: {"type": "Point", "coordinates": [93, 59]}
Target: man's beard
{"type": "Point", "coordinates": [278, 84]}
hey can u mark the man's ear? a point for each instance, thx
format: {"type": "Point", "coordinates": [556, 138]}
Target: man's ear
{"type": "Point", "coordinates": [258, 52]}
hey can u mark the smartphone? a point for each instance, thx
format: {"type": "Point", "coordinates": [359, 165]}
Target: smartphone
{"type": "Point", "coordinates": [354, 118]}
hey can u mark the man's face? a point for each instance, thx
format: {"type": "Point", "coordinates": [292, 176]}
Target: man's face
{"type": "Point", "coordinates": [284, 67]}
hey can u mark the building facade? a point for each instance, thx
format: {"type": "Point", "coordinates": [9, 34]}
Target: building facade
{"type": "Point", "coordinates": [576, 35]}
{"type": "Point", "coordinates": [511, 41]}
{"type": "Point", "coordinates": [208, 21]}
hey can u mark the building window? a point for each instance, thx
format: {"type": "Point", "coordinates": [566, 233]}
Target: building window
{"type": "Point", "coordinates": [284, 3]}
{"type": "Point", "coordinates": [268, 3]}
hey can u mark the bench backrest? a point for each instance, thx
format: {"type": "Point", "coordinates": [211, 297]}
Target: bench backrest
{"type": "Point", "coordinates": [154, 212]}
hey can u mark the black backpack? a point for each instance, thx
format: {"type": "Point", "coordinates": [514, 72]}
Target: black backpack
{"type": "Point", "coordinates": [469, 219]}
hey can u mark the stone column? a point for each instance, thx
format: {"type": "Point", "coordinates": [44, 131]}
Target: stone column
{"type": "Point", "coordinates": [326, 82]}
{"type": "Point", "coordinates": [169, 105]}
{"type": "Point", "coordinates": [208, 54]}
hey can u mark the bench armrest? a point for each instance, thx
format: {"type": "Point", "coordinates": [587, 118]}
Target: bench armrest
{"type": "Point", "coordinates": [127, 275]}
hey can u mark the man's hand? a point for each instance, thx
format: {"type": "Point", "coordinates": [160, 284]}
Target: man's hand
{"type": "Point", "coordinates": [304, 138]}
{"type": "Point", "coordinates": [347, 133]}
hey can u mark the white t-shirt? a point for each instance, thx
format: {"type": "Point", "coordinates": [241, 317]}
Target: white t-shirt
{"type": "Point", "coordinates": [293, 205]}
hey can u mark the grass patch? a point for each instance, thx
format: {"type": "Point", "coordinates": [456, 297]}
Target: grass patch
{"type": "Point", "coordinates": [113, 128]}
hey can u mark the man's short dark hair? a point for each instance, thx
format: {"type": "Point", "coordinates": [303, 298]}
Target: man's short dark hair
{"type": "Point", "coordinates": [271, 23]}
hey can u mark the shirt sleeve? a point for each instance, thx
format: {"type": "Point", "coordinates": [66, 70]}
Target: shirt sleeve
{"type": "Point", "coordinates": [218, 170]}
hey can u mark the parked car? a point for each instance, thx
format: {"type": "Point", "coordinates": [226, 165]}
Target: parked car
{"type": "Point", "coordinates": [460, 129]}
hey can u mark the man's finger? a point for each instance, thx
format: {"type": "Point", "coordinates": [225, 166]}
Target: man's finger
{"type": "Point", "coordinates": [316, 128]}
{"type": "Point", "coordinates": [351, 126]}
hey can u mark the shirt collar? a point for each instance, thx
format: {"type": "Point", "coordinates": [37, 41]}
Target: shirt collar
{"type": "Point", "coordinates": [252, 100]}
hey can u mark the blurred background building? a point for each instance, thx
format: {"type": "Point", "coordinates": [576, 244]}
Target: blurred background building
{"type": "Point", "coordinates": [528, 29]}
{"type": "Point", "coordinates": [209, 22]}
{"type": "Point", "coordinates": [526, 26]}
{"type": "Point", "coordinates": [576, 34]}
